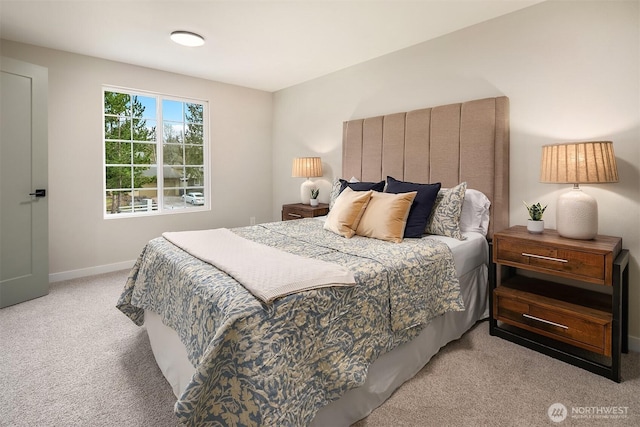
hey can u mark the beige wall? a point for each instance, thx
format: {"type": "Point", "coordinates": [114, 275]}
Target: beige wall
{"type": "Point", "coordinates": [570, 69]}
{"type": "Point", "coordinates": [81, 241]}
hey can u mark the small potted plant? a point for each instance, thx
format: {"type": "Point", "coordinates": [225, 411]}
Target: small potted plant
{"type": "Point", "coordinates": [314, 197]}
{"type": "Point", "coordinates": [535, 224]}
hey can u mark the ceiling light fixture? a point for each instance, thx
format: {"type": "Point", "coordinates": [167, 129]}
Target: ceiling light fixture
{"type": "Point", "coordinates": [187, 38]}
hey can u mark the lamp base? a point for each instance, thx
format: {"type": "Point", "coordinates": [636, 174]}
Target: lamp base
{"type": "Point", "coordinates": [305, 191]}
{"type": "Point", "coordinates": [577, 215]}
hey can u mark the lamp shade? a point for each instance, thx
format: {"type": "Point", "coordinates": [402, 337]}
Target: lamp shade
{"type": "Point", "coordinates": [306, 167]}
{"type": "Point", "coordinates": [579, 163]}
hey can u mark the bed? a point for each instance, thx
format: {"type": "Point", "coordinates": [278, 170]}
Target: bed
{"type": "Point", "coordinates": [314, 357]}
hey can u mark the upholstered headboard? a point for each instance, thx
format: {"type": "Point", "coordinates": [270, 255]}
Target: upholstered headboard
{"type": "Point", "coordinates": [450, 144]}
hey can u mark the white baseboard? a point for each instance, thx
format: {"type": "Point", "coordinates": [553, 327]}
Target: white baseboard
{"type": "Point", "coordinates": [634, 344]}
{"type": "Point", "coordinates": [91, 271]}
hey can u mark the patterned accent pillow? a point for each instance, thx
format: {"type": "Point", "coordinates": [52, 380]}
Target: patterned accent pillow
{"type": "Point", "coordinates": [445, 216]}
{"type": "Point", "coordinates": [335, 192]}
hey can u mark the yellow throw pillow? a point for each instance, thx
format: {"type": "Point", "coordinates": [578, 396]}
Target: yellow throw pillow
{"type": "Point", "coordinates": [386, 216]}
{"type": "Point", "coordinates": [347, 210]}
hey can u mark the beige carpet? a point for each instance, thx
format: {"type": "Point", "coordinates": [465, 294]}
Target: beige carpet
{"type": "Point", "coordinates": [482, 380]}
{"type": "Point", "coordinates": [72, 359]}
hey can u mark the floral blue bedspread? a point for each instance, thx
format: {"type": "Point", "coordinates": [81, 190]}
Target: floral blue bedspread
{"type": "Point", "coordinates": [276, 364]}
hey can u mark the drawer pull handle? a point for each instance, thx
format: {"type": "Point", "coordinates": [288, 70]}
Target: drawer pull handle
{"type": "Point", "coordinates": [294, 215]}
{"type": "Point", "coordinates": [548, 258]}
{"type": "Point", "coordinates": [544, 321]}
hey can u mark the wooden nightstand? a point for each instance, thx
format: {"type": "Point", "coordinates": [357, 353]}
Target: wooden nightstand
{"type": "Point", "coordinates": [299, 210]}
{"type": "Point", "coordinates": [587, 328]}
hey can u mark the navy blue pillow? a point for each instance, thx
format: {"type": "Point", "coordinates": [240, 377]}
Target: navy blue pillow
{"type": "Point", "coordinates": [362, 186]}
{"type": "Point", "coordinates": [422, 204]}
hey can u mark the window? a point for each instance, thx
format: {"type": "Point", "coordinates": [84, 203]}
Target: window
{"type": "Point", "coordinates": [154, 154]}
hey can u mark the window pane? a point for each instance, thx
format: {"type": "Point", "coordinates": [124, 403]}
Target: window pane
{"type": "Point", "coordinates": [118, 104]}
{"type": "Point", "coordinates": [175, 198]}
{"type": "Point", "coordinates": [172, 154]}
{"type": "Point", "coordinates": [172, 199]}
{"type": "Point", "coordinates": [124, 130]}
{"type": "Point", "coordinates": [144, 130]}
{"type": "Point", "coordinates": [147, 193]}
{"type": "Point", "coordinates": [118, 177]}
{"type": "Point", "coordinates": [145, 176]}
{"type": "Point", "coordinates": [193, 113]}
{"type": "Point", "coordinates": [111, 125]}
{"type": "Point", "coordinates": [172, 132]}
{"type": "Point", "coordinates": [195, 176]}
{"type": "Point", "coordinates": [145, 200]}
{"type": "Point", "coordinates": [193, 197]}
{"type": "Point", "coordinates": [144, 154]}
{"type": "Point", "coordinates": [117, 153]}
{"type": "Point", "coordinates": [173, 177]}
{"type": "Point", "coordinates": [171, 111]}
{"type": "Point", "coordinates": [118, 201]}
{"type": "Point", "coordinates": [117, 128]}
{"type": "Point", "coordinates": [193, 155]}
{"type": "Point", "coordinates": [148, 105]}
{"type": "Point", "coordinates": [193, 134]}
{"type": "Point", "coordinates": [148, 177]}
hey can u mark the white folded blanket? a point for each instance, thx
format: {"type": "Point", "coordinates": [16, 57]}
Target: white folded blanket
{"type": "Point", "coordinates": [266, 272]}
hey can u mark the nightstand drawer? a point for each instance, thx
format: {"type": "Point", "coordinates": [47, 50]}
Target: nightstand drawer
{"type": "Point", "coordinates": [295, 213]}
{"type": "Point", "coordinates": [299, 210]}
{"type": "Point", "coordinates": [576, 325]}
{"type": "Point", "coordinates": [546, 257]}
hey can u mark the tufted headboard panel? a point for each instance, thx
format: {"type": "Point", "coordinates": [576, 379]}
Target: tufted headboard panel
{"type": "Point", "coordinates": [468, 141]}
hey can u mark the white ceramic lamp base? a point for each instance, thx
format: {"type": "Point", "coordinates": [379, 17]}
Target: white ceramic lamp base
{"type": "Point", "coordinates": [577, 215]}
{"type": "Point", "coordinates": [305, 191]}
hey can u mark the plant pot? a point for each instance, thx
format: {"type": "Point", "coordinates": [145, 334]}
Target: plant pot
{"type": "Point", "coordinates": [535, 227]}
{"type": "Point", "coordinates": [313, 202]}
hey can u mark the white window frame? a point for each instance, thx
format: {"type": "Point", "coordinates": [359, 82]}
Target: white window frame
{"type": "Point", "coordinates": [159, 144]}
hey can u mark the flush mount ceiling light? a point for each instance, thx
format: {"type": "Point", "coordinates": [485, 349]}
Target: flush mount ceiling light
{"type": "Point", "coordinates": [186, 38]}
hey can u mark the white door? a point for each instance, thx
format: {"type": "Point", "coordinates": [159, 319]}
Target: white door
{"type": "Point", "coordinates": [24, 228]}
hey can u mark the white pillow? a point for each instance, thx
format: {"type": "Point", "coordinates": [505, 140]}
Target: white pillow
{"type": "Point", "coordinates": [475, 212]}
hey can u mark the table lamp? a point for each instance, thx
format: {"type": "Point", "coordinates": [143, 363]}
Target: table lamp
{"type": "Point", "coordinates": [578, 163]}
{"type": "Point", "coordinates": [306, 167]}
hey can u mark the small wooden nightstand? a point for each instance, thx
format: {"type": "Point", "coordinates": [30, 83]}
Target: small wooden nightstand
{"type": "Point", "coordinates": [299, 210]}
{"type": "Point", "coordinates": [562, 320]}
